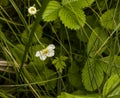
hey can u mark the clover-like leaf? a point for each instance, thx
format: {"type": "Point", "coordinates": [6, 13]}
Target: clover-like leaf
{"type": "Point", "coordinates": [110, 19]}
{"type": "Point", "coordinates": [92, 74]}
{"type": "Point", "coordinates": [73, 19]}
{"type": "Point", "coordinates": [51, 12]}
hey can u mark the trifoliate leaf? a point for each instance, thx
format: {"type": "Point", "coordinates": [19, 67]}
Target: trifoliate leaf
{"type": "Point", "coordinates": [72, 18]}
{"type": "Point", "coordinates": [110, 19]}
{"type": "Point", "coordinates": [51, 12]}
{"type": "Point", "coordinates": [92, 75]}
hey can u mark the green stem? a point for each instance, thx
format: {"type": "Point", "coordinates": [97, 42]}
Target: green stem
{"type": "Point", "coordinates": [38, 19]}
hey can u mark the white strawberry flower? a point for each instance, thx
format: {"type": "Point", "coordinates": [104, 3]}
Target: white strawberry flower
{"type": "Point", "coordinates": [47, 52]}
{"type": "Point", "coordinates": [32, 10]}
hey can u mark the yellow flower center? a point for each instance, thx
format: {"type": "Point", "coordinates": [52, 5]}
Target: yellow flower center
{"type": "Point", "coordinates": [45, 51]}
{"type": "Point", "coordinates": [32, 9]}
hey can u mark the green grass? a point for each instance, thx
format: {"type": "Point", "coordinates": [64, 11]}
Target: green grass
{"type": "Point", "coordinates": [85, 33]}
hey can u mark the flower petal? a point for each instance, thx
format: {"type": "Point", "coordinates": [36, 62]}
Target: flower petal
{"type": "Point", "coordinates": [37, 54]}
{"type": "Point", "coordinates": [50, 47]}
{"type": "Point", "coordinates": [50, 53]}
{"type": "Point", "coordinates": [43, 57]}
